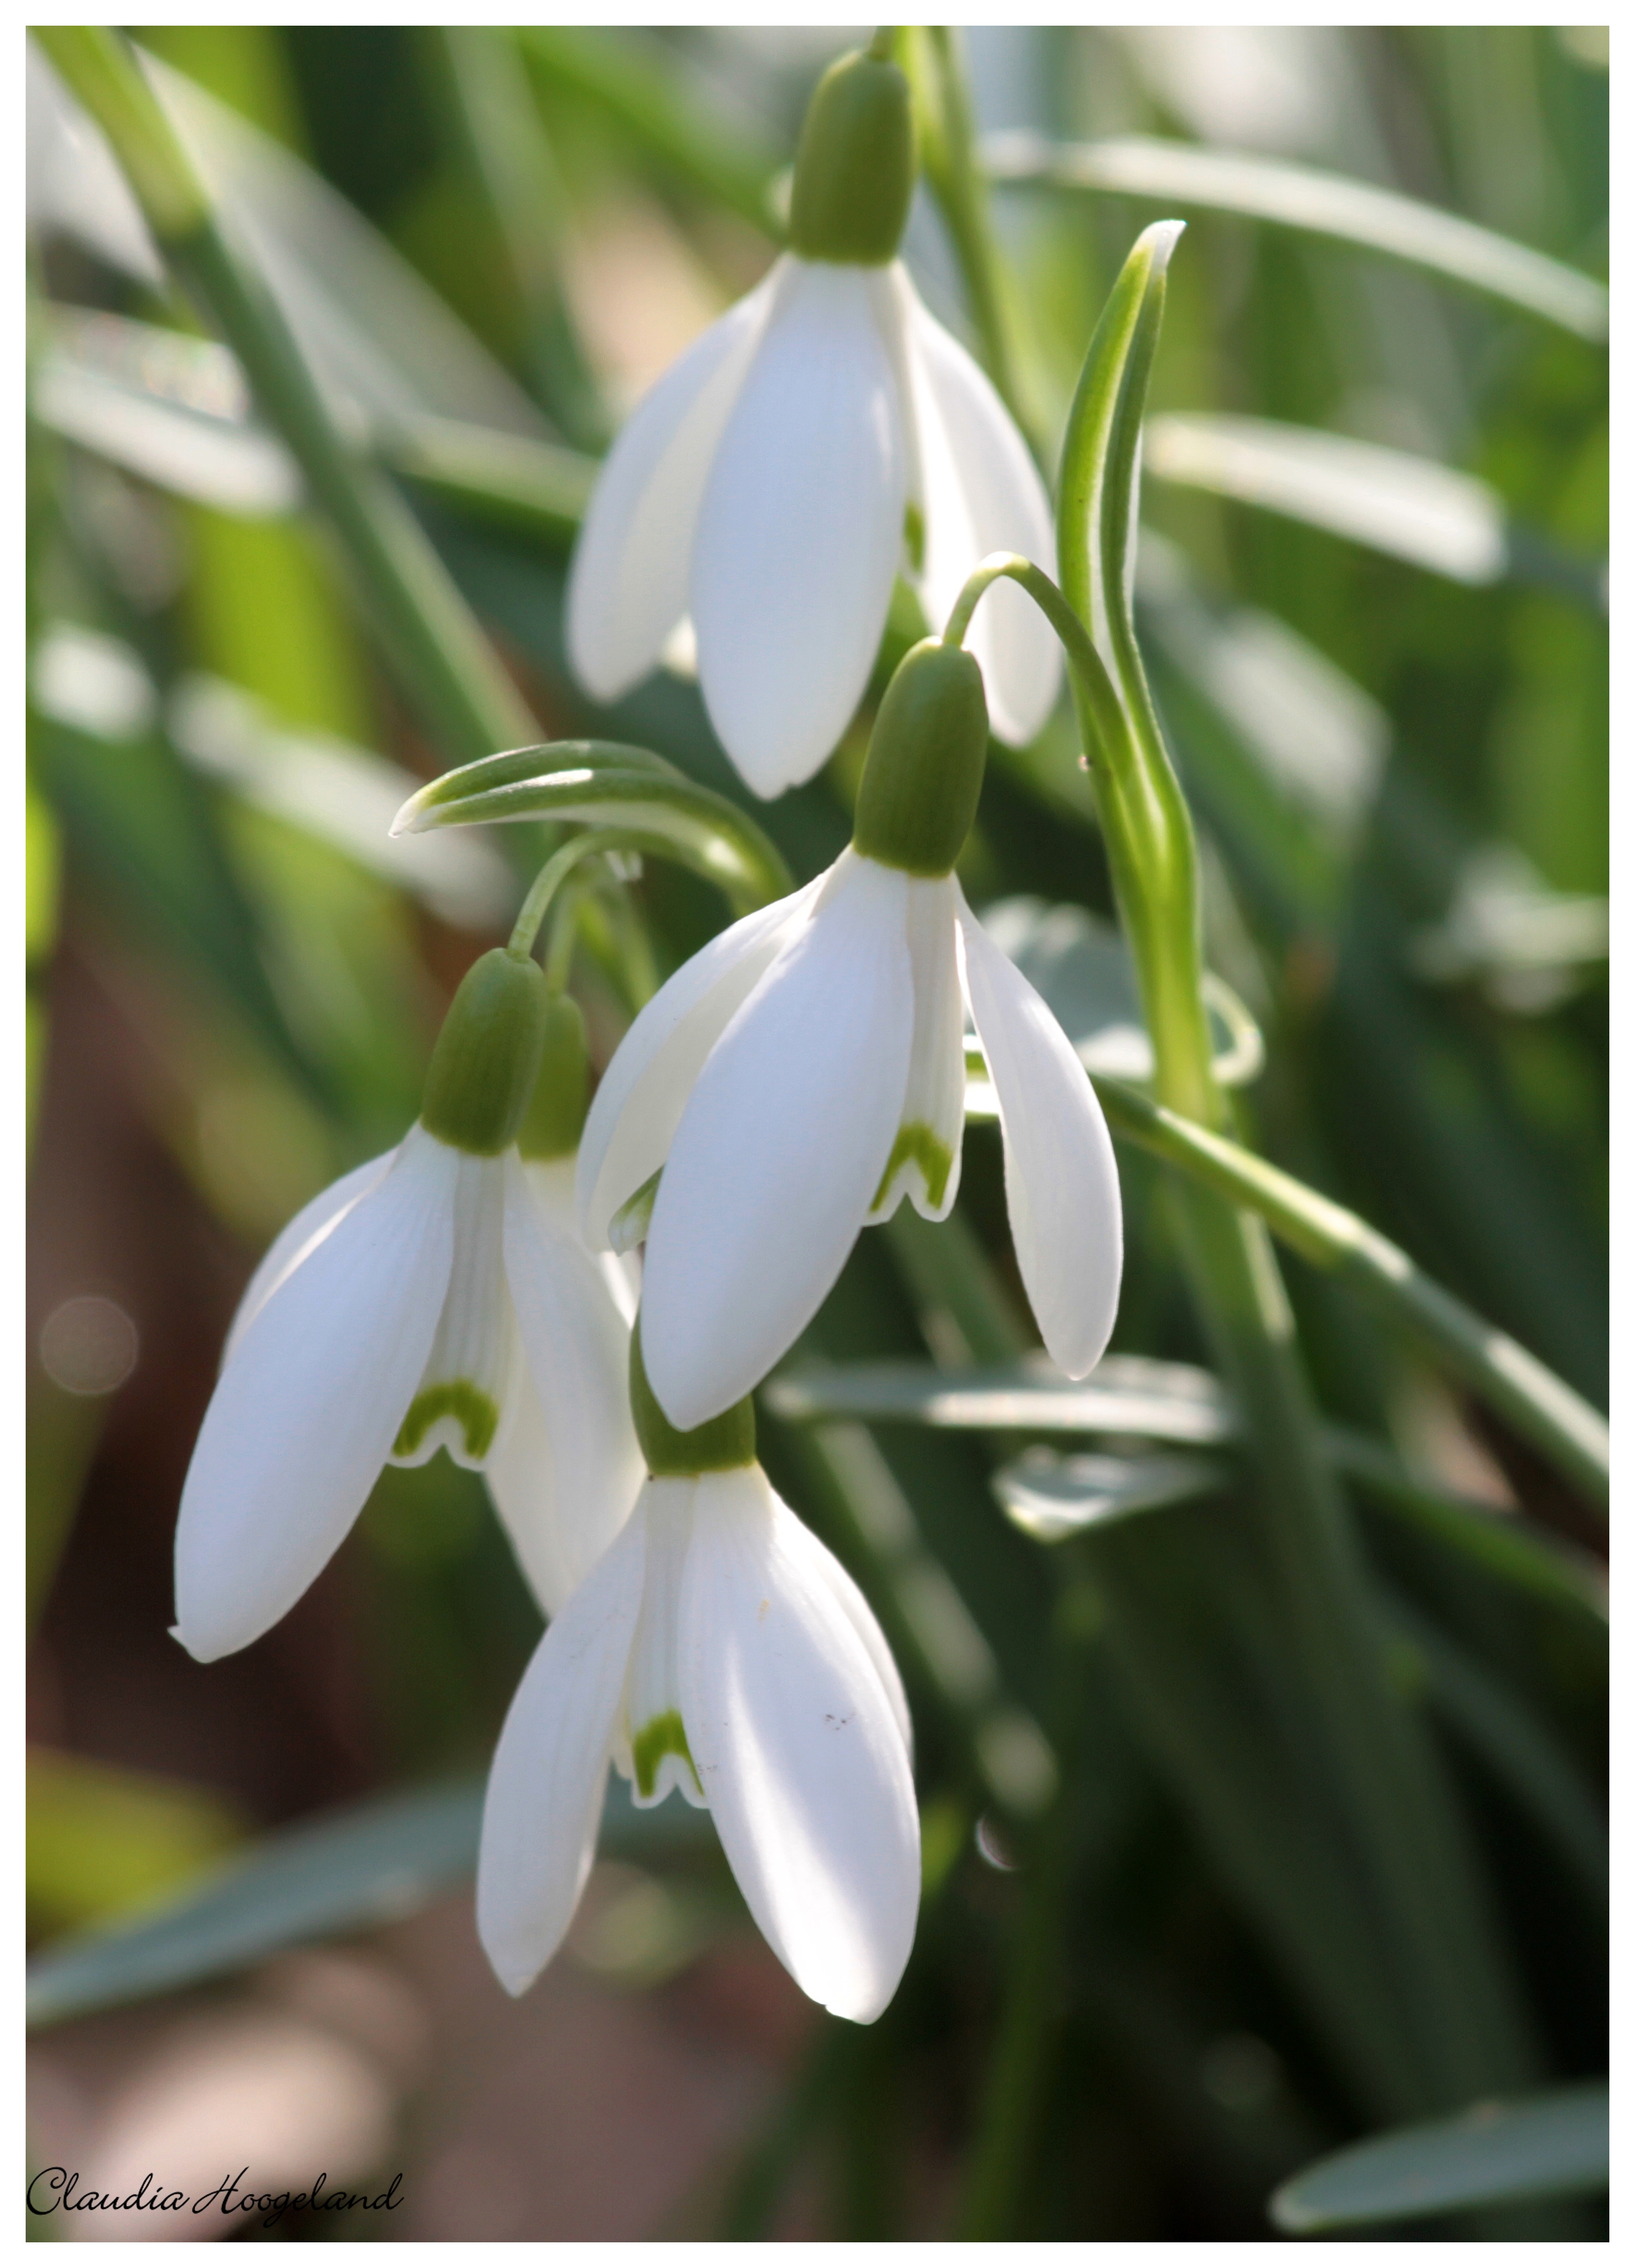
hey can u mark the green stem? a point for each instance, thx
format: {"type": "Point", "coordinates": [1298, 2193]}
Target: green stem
{"type": "Point", "coordinates": [948, 152]}
{"type": "Point", "coordinates": [1449, 1989]}
{"type": "Point", "coordinates": [444, 661]}
{"type": "Point", "coordinates": [1145, 821]}
{"type": "Point", "coordinates": [550, 879]}
{"type": "Point", "coordinates": [1540, 1406]}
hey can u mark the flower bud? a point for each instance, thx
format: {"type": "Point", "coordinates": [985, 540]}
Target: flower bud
{"type": "Point", "coordinates": [486, 1056]}
{"type": "Point", "coordinates": [854, 170]}
{"type": "Point", "coordinates": [924, 770]}
{"type": "Point", "coordinates": [555, 1118]}
{"type": "Point", "coordinates": [719, 1446]}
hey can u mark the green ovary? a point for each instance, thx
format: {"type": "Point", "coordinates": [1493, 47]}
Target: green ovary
{"type": "Point", "coordinates": [474, 1411]}
{"type": "Point", "coordinates": [917, 1144]}
{"type": "Point", "coordinates": [661, 1737]}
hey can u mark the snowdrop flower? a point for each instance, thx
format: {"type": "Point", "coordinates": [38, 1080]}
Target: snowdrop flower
{"type": "Point", "coordinates": [806, 1071]}
{"type": "Point", "coordinates": [435, 1298]}
{"type": "Point", "coordinates": [716, 1648]}
{"type": "Point", "coordinates": [823, 437]}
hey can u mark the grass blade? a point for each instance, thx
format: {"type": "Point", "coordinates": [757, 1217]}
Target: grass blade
{"type": "Point", "coordinates": [1319, 204]}
{"type": "Point", "coordinates": [1549, 2145]}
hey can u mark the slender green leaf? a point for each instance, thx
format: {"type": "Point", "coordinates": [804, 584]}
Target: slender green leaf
{"type": "Point", "coordinates": [1124, 1394]}
{"type": "Point", "coordinates": [161, 432]}
{"type": "Point", "coordinates": [375, 1863]}
{"type": "Point", "coordinates": [1174, 1403]}
{"type": "Point", "coordinates": [1527, 1557]}
{"type": "Point", "coordinates": [1320, 203]}
{"type": "Point", "coordinates": [535, 488]}
{"type": "Point", "coordinates": [1052, 1497]}
{"type": "Point", "coordinates": [1569, 1430]}
{"type": "Point", "coordinates": [1550, 2144]}
{"type": "Point", "coordinates": [370, 328]}
{"type": "Point", "coordinates": [1409, 506]}
{"type": "Point", "coordinates": [176, 410]}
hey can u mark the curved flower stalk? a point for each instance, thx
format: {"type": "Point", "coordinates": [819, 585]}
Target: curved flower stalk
{"type": "Point", "coordinates": [823, 437]}
{"type": "Point", "coordinates": [716, 1648]}
{"type": "Point", "coordinates": [435, 1298]}
{"type": "Point", "coordinates": [805, 1072]}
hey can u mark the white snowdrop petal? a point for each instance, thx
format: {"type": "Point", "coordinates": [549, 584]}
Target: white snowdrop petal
{"type": "Point", "coordinates": [821, 1563]}
{"type": "Point", "coordinates": [305, 1232]}
{"type": "Point", "coordinates": [564, 1485]}
{"type": "Point", "coordinates": [926, 1154]}
{"type": "Point", "coordinates": [798, 1747]}
{"type": "Point", "coordinates": [549, 1773]}
{"type": "Point", "coordinates": [460, 1402]}
{"type": "Point", "coordinates": [305, 1415]}
{"type": "Point", "coordinates": [981, 492]}
{"type": "Point", "coordinates": [1061, 1180]}
{"type": "Point", "coordinates": [780, 1150]}
{"type": "Point", "coordinates": [800, 531]}
{"type": "Point", "coordinates": [642, 1094]}
{"type": "Point", "coordinates": [627, 590]}
{"type": "Point", "coordinates": [653, 1754]}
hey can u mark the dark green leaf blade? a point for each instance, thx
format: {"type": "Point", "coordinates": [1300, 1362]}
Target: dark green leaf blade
{"type": "Point", "coordinates": [1550, 2144]}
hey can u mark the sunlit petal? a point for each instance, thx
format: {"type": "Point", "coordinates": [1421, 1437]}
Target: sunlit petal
{"type": "Point", "coordinates": [549, 1773]}
{"type": "Point", "coordinates": [305, 1232]}
{"type": "Point", "coordinates": [822, 1565]}
{"type": "Point", "coordinates": [1061, 1180]}
{"type": "Point", "coordinates": [926, 1154]}
{"type": "Point", "coordinates": [780, 1150]}
{"type": "Point", "coordinates": [799, 1750]}
{"type": "Point", "coordinates": [305, 1415]}
{"type": "Point", "coordinates": [567, 1469]}
{"type": "Point", "coordinates": [628, 587]}
{"type": "Point", "coordinates": [639, 1103]}
{"type": "Point", "coordinates": [980, 492]}
{"type": "Point", "coordinates": [800, 531]}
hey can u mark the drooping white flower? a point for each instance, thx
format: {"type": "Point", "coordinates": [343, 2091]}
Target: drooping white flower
{"type": "Point", "coordinates": [800, 1076]}
{"type": "Point", "coordinates": [718, 1648]}
{"type": "Point", "coordinates": [825, 436]}
{"type": "Point", "coordinates": [435, 1298]}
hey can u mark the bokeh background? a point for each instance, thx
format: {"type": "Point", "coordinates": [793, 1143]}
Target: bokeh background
{"type": "Point", "coordinates": [1382, 655]}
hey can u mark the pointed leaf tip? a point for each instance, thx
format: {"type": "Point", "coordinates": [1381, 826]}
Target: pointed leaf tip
{"type": "Point", "coordinates": [1159, 238]}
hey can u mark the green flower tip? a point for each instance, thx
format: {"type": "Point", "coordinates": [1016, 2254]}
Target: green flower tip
{"type": "Point", "coordinates": [924, 771]}
{"type": "Point", "coordinates": [719, 1447]}
{"type": "Point", "coordinates": [555, 1118]}
{"type": "Point", "coordinates": [487, 1058]}
{"type": "Point", "coordinates": [854, 170]}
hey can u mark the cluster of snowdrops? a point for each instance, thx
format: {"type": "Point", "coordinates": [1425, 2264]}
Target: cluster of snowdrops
{"type": "Point", "coordinates": [579, 1304]}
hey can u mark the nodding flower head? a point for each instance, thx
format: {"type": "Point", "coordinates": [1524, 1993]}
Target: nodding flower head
{"type": "Point", "coordinates": [822, 438]}
{"type": "Point", "coordinates": [805, 1072]}
{"type": "Point", "coordinates": [438, 1297]}
{"type": "Point", "coordinates": [718, 1650]}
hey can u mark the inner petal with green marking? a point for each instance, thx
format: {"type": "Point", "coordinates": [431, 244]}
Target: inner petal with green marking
{"type": "Point", "coordinates": [925, 1161]}
{"type": "Point", "coordinates": [650, 1750]}
{"type": "Point", "coordinates": [464, 1406]}
{"type": "Point", "coordinates": [918, 1155]}
{"type": "Point", "coordinates": [659, 1749]}
{"type": "Point", "coordinates": [461, 1395]}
